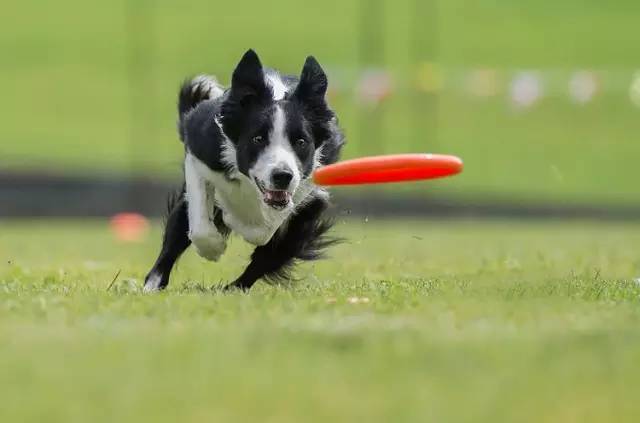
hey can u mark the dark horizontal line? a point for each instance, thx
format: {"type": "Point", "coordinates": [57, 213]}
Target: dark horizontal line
{"type": "Point", "coordinates": [54, 195]}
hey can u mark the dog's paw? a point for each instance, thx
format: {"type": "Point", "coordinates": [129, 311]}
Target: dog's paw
{"type": "Point", "coordinates": [209, 246]}
{"type": "Point", "coordinates": [153, 283]}
{"type": "Point", "coordinates": [236, 287]}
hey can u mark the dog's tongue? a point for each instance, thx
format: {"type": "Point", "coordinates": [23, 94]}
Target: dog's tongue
{"type": "Point", "coordinates": [276, 196]}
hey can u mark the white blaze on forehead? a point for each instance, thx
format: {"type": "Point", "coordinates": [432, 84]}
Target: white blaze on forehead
{"type": "Point", "coordinates": [278, 133]}
{"type": "Point", "coordinates": [279, 148]}
{"type": "Point", "coordinates": [277, 86]}
{"type": "Point", "coordinates": [278, 154]}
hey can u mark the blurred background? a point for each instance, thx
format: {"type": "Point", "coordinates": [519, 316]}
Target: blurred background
{"type": "Point", "coordinates": [540, 98]}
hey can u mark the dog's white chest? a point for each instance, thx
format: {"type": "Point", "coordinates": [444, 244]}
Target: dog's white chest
{"type": "Point", "coordinates": [243, 210]}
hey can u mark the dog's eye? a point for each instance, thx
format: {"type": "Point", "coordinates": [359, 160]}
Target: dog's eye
{"type": "Point", "coordinates": [257, 139]}
{"type": "Point", "coordinates": [301, 142]}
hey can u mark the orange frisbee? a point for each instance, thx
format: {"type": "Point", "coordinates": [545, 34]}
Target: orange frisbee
{"type": "Point", "coordinates": [390, 168]}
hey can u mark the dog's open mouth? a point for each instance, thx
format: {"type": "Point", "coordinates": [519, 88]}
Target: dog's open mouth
{"type": "Point", "coordinates": [278, 199]}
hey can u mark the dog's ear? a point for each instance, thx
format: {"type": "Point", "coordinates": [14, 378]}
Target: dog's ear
{"type": "Point", "coordinates": [310, 93]}
{"type": "Point", "coordinates": [247, 82]}
{"type": "Point", "coordinates": [313, 82]}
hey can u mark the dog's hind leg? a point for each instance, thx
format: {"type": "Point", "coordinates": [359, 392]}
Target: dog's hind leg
{"type": "Point", "coordinates": [302, 238]}
{"type": "Point", "coordinates": [174, 242]}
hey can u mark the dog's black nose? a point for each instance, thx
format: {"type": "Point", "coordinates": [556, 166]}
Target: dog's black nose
{"type": "Point", "coordinates": [281, 179]}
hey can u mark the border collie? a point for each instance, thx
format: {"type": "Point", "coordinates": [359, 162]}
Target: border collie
{"type": "Point", "coordinates": [250, 151]}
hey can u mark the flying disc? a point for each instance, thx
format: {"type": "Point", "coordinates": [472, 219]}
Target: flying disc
{"type": "Point", "coordinates": [389, 168]}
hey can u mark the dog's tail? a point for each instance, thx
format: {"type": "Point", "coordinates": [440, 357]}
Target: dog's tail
{"type": "Point", "coordinates": [193, 92]}
{"type": "Point", "coordinates": [197, 90]}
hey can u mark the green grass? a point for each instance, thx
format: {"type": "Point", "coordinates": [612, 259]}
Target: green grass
{"type": "Point", "coordinates": [456, 321]}
{"type": "Point", "coordinates": [67, 103]}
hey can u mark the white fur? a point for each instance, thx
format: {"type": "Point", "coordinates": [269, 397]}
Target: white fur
{"type": "Point", "coordinates": [153, 283]}
{"type": "Point", "coordinates": [211, 85]}
{"type": "Point", "coordinates": [317, 157]}
{"type": "Point", "coordinates": [200, 196]}
{"type": "Point", "coordinates": [278, 87]}
{"type": "Point", "coordinates": [229, 156]}
{"type": "Point", "coordinates": [243, 208]}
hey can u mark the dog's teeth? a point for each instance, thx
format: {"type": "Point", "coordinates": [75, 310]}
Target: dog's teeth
{"type": "Point", "coordinates": [274, 195]}
{"type": "Point", "coordinates": [277, 196]}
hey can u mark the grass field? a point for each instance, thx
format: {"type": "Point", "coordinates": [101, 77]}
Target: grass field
{"type": "Point", "coordinates": [450, 321]}
{"type": "Point", "coordinates": [68, 104]}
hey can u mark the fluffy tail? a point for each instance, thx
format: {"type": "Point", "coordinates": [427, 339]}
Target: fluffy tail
{"type": "Point", "coordinates": [196, 90]}
{"type": "Point", "coordinates": [193, 92]}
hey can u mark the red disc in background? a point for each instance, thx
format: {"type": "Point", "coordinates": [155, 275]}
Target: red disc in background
{"type": "Point", "coordinates": [129, 227]}
{"type": "Point", "coordinates": [389, 168]}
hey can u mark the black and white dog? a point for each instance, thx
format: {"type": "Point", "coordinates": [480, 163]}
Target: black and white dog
{"type": "Point", "coordinates": [250, 151]}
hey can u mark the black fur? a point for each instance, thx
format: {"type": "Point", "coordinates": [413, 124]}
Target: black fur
{"type": "Point", "coordinates": [175, 240]}
{"type": "Point", "coordinates": [192, 93]}
{"type": "Point", "coordinates": [204, 138]}
{"type": "Point", "coordinates": [244, 112]}
{"type": "Point", "coordinates": [303, 238]}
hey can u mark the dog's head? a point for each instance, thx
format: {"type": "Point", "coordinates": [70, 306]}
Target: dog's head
{"type": "Point", "coordinates": [277, 130]}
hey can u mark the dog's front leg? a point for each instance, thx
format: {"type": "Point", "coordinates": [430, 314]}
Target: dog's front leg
{"type": "Point", "coordinates": [209, 241]}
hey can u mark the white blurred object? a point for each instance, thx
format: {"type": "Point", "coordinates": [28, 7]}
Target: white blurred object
{"type": "Point", "coordinates": [375, 86]}
{"type": "Point", "coordinates": [634, 90]}
{"type": "Point", "coordinates": [482, 82]}
{"type": "Point", "coordinates": [583, 86]}
{"type": "Point", "coordinates": [526, 89]}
